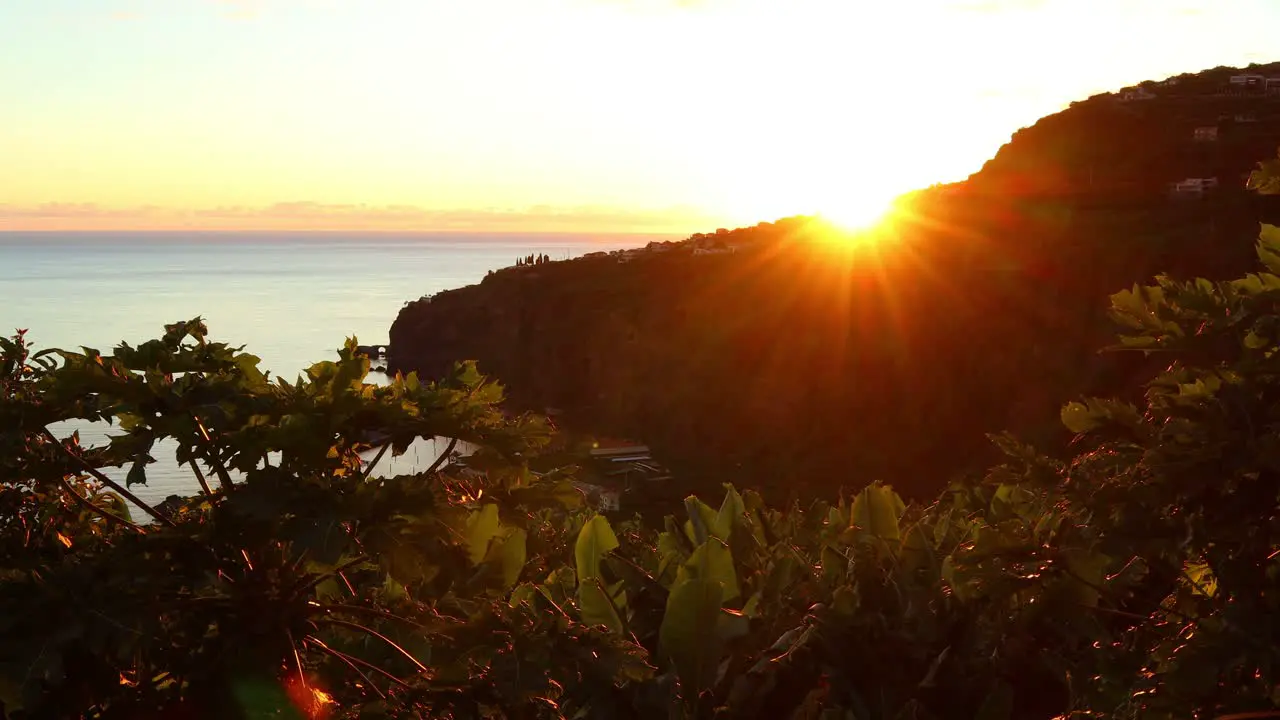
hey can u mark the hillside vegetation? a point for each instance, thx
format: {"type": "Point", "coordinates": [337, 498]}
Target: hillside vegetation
{"type": "Point", "coordinates": [799, 365]}
{"type": "Point", "coordinates": [1133, 577]}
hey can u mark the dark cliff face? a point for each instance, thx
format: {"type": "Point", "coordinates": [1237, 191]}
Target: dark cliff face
{"type": "Point", "coordinates": [791, 366]}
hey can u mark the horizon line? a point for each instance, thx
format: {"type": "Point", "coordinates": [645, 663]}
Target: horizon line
{"type": "Point", "coordinates": [318, 231]}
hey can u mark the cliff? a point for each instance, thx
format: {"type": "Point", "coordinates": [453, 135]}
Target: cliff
{"type": "Point", "coordinates": [788, 362]}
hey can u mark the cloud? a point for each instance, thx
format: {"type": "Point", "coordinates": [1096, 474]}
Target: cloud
{"type": "Point", "coordinates": [995, 6]}
{"type": "Point", "coordinates": [241, 9]}
{"type": "Point", "coordinates": [304, 215]}
{"type": "Point", "coordinates": [70, 210]}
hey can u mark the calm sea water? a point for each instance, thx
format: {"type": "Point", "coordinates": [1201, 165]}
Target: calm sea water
{"type": "Point", "coordinates": [291, 298]}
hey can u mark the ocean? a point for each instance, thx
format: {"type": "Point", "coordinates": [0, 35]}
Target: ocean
{"type": "Point", "coordinates": [290, 298]}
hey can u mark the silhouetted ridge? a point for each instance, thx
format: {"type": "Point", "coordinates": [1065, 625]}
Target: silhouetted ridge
{"type": "Point", "coordinates": [753, 350]}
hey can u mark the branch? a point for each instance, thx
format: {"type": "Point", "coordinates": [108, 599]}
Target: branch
{"type": "Point", "coordinates": [99, 511]}
{"type": "Point", "coordinates": [370, 631]}
{"type": "Point", "coordinates": [626, 628]}
{"type": "Point", "coordinates": [351, 661]}
{"type": "Point", "coordinates": [453, 442]}
{"type": "Point", "coordinates": [97, 474]}
{"type": "Point", "coordinates": [224, 479]}
{"type": "Point", "coordinates": [204, 484]}
{"type": "Point", "coordinates": [297, 660]}
{"type": "Point", "coordinates": [336, 571]}
{"type": "Point", "coordinates": [373, 612]}
{"type": "Point", "coordinates": [376, 459]}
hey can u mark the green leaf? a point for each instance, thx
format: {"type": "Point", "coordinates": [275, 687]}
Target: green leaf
{"type": "Point", "coordinates": [712, 560]}
{"type": "Point", "coordinates": [702, 520]}
{"type": "Point", "coordinates": [998, 705]}
{"type": "Point", "coordinates": [834, 565]}
{"type": "Point", "coordinates": [129, 421]}
{"type": "Point", "coordinates": [524, 593]}
{"type": "Point", "coordinates": [688, 637]}
{"type": "Point", "coordinates": [482, 527]}
{"type": "Point", "coordinates": [917, 551]}
{"type": "Point", "coordinates": [1078, 418]}
{"type": "Point", "coordinates": [1201, 578]}
{"type": "Point", "coordinates": [594, 540]}
{"type": "Point", "coordinates": [113, 503]}
{"type": "Point", "coordinates": [1130, 309]}
{"type": "Point", "coordinates": [1138, 341]}
{"type": "Point", "coordinates": [513, 555]}
{"type": "Point", "coordinates": [1086, 573]}
{"type": "Point", "coordinates": [595, 607]}
{"type": "Point", "coordinates": [137, 474]}
{"type": "Point", "coordinates": [329, 589]}
{"type": "Point", "coordinates": [876, 511]}
{"type": "Point", "coordinates": [1250, 284]}
{"type": "Point", "coordinates": [669, 554]}
{"type": "Point", "coordinates": [392, 590]}
{"type": "Point", "coordinates": [1269, 247]}
{"type": "Point", "coordinates": [730, 509]}
{"type": "Point", "coordinates": [732, 624]}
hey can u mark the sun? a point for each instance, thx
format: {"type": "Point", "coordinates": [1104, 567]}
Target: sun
{"type": "Point", "coordinates": [860, 215]}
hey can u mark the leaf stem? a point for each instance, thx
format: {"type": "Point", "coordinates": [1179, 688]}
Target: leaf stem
{"type": "Point", "coordinates": [357, 609]}
{"type": "Point", "coordinates": [453, 442]}
{"type": "Point", "coordinates": [351, 661]}
{"type": "Point", "coordinates": [376, 459]}
{"type": "Point", "coordinates": [224, 478]}
{"type": "Point", "coordinates": [101, 512]}
{"type": "Point", "coordinates": [97, 474]}
{"type": "Point", "coordinates": [204, 484]}
{"type": "Point", "coordinates": [374, 633]}
{"type": "Point", "coordinates": [336, 571]}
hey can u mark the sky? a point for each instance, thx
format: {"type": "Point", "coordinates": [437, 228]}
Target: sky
{"type": "Point", "coordinates": [548, 115]}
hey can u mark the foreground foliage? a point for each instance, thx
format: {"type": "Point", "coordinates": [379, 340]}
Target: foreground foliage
{"type": "Point", "coordinates": [1137, 579]}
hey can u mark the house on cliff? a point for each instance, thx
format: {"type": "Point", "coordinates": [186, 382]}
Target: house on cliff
{"type": "Point", "coordinates": [1207, 133]}
{"type": "Point", "coordinates": [1248, 79]}
{"type": "Point", "coordinates": [1248, 84]}
{"type": "Point", "coordinates": [1132, 94]}
{"type": "Point", "coordinates": [1193, 187]}
{"type": "Point", "coordinates": [614, 469]}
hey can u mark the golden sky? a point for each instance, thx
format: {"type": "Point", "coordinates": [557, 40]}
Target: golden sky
{"type": "Point", "coordinates": [585, 115]}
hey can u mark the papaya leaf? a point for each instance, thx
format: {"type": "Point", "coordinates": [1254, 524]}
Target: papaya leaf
{"type": "Point", "coordinates": [482, 527]}
{"type": "Point", "coordinates": [514, 552]}
{"type": "Point", "coordinates": [137, 474]}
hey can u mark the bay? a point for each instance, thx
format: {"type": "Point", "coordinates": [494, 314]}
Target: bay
{"type": "Point", "coordinates": [290, 297]}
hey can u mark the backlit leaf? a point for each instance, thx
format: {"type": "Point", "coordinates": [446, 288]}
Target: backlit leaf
{"type": "Point", "coordinates": [1077, 418]}
{"type": "Point", "coordinates": [876, 511]}
{"type": "Point", "coordinates": [688, 636]}
{"type": "Point", "coordinates": [482, 527]}
{"type": "Point", "coordinates": [712, 560]}
{"type": "Point", "coordinates": [594, 540]}
{"type": "Point", "coordinates": [1269, 247]}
